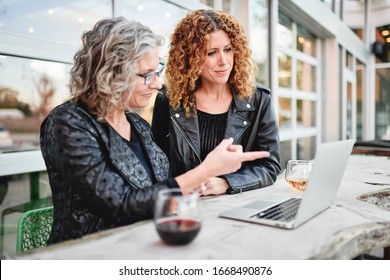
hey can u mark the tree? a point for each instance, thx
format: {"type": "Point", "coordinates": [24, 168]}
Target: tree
{"type": "Point", "coordinates": [46, 90]}
{"type": "Point", "coordinates": [8, 98]}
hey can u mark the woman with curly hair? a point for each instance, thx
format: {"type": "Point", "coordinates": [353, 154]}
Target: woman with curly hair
{"type": "Point", "coordinates": [103, 166]}
{"type": "Point", "coordinates": [211, 94]}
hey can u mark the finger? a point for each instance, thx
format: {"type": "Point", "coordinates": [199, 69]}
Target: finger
{"type": "Point", "coordinates": [197, 192]}
{"type": "Point", "coordinates": [209, 192]}
{"type": "Point", "coordinates": [248, 156]}
{"type": "Point", "coordinates": [225, 143]}
{"type": "Point", "coordinates": [234, 148]}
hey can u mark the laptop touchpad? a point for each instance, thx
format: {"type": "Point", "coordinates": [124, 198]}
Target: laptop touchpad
{"type": "Point", "coordinates": [260, 204]}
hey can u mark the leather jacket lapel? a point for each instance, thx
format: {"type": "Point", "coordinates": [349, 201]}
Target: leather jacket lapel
{"type": "Point", "coordinates": [189, 128]}
{"type": "Point", "coordinates": [157, 159]}
{"type": "Point", "coordinates": [124, 159]}
{"type": "Point", "coordinates": [237, 122]}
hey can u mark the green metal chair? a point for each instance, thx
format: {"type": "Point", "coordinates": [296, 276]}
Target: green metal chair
{"type": "Point", "coordinates": [34, 228]}
{"type": "Point", "coordinates": [35, 202]}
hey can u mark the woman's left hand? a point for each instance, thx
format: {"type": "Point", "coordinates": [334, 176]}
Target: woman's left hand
{"type": "Point", "coordinates": [214, 186]}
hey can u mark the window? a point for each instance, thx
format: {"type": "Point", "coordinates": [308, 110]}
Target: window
{"type": "Point", "coordinates": [383, 37]}
{"type": "Point", "coordinates": [34, 75]}
{"type": "Point", "coordinates": [258, 34]}
{"type": "Point", "coordinates": [284, 31]}
{"type": "Point", "coordinates": [285, 70]}
{"type": "Point", "coordinates": [306, 113]}
{"type": "Point", "coordinates": [360, 70]}
{"type": "Point", "coordinates": [209, 3]}
{"type": "Point", "coordinates": [285, 152]}
{"type": "Point", "coordinates": [306, 147]}
{"type": "Point", "coordinates": [285, 113]}
{"type": "Point", "coordinates": [382, 103]}
{"type": "Point", "coordinates": [44, 18]}
{"type": "Point", "coordinates": [306, 42]}
{"type": "Point", "coordinates": [29, 88]}
{"type": "Point", "coordinates": [297, 89]}
{"type": "Point", "coordinates": [358, 32]}
{"type": "Point", "coordinates": [306, 76]}
{"type": "Point", "coordinates": [349, 111]}
{"type": "Point", "coordinates": [382, 85]}
{"type": "Point", "coordinates": [152, 13]}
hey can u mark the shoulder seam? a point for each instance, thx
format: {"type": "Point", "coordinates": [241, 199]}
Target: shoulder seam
{"type": "Point", "coordinates": [263, 88]}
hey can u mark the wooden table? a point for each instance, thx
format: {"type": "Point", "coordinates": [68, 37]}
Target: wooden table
{"type": "Point", "coordinates": [348, 228]}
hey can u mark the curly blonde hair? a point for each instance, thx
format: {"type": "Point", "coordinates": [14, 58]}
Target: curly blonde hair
{"type": "Point", "coordinates": [104, 69]}
{"type": "Point", "coordinates": [187, 54]}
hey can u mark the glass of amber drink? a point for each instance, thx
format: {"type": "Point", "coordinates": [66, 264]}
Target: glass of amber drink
{"type": "Point", "coordinates": [297, 173]}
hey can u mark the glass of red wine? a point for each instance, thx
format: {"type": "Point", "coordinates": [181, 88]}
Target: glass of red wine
{"type": "Point", "coordinates": [177, 216]}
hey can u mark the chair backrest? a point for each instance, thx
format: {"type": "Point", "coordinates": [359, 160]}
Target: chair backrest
{"type": "Point", "coordinates": [34, 228]}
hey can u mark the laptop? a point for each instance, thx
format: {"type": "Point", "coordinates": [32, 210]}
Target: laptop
{"type": "Point", "coordinates": [290, 212]}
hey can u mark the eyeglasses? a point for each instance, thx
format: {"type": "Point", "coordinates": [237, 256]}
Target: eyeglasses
{"type": "Point", "coordinates": [148, 77]}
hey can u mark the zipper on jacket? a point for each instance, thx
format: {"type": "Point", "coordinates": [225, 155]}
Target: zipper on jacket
{"type": "Point", "coordinates": [241, 189]}
{"type": "Point", "coordinates": [93, 225]}
{"type": "Point", "coordinates": [186, 138]}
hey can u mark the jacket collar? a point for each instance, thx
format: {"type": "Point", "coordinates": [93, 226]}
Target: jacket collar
{"type": "Point", "coordinates": [124, 159]}
{"type": "Point", "coordinates": [188, 127]}
{"type": "Point", "coordinates": [242, 104]}
{"type": "Point", "coordinates": [237, 122]}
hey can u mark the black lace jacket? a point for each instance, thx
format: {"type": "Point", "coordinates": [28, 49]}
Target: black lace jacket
{"type": "Point", "coordinates": [97, 182]}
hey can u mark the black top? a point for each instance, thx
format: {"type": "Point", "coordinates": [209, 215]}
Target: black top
{"type": "Point", "coordinates": [211, 130]}
{"type": "Point", "coordinates": [136, 148]}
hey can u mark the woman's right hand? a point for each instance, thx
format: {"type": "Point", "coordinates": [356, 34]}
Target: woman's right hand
{"type": "Point", "coordinates": [227, 158]}
{"type": "Point", "coordinates": [224, 159]}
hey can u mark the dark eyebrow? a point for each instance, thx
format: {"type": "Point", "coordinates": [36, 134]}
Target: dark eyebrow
{"type": "Point", "coordinates": [146, 71]}
{"type": "Point", "coordinates": [228, 45]}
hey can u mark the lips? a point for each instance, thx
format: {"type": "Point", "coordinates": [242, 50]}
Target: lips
{"type": "Point", "coordinates": [222, 71]}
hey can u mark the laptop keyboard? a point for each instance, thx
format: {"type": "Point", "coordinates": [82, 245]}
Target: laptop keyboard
{"type": "Point", "coordinates": [284, 211]}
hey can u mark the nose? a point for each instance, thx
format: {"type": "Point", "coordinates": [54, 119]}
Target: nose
{"type": "Point", "coordinates": [222, 59]}
{"type": "Point", "coordinates": [155, 84]}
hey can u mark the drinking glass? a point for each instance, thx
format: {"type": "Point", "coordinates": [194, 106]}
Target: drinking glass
{"type": "Point", "coordinates": [297, 173]}
{"type": "Point", "coordinates": [177, 217]}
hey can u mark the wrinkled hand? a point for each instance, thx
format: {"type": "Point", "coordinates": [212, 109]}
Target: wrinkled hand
{"type": "Point", "coordinates": [227, 158]}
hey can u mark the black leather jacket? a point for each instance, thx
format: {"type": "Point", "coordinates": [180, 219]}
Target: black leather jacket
{"type": "Point", "coordinates": [251, 123]}
{"type": "Point", "coordinates": [97, 182]}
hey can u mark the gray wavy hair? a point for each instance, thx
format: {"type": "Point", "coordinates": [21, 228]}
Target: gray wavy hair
{"type": "Point", "coordinates": [104, 70]}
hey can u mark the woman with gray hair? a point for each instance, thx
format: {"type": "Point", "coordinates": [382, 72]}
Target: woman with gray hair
{"type": "Point", "coordinates": [103, 166]}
